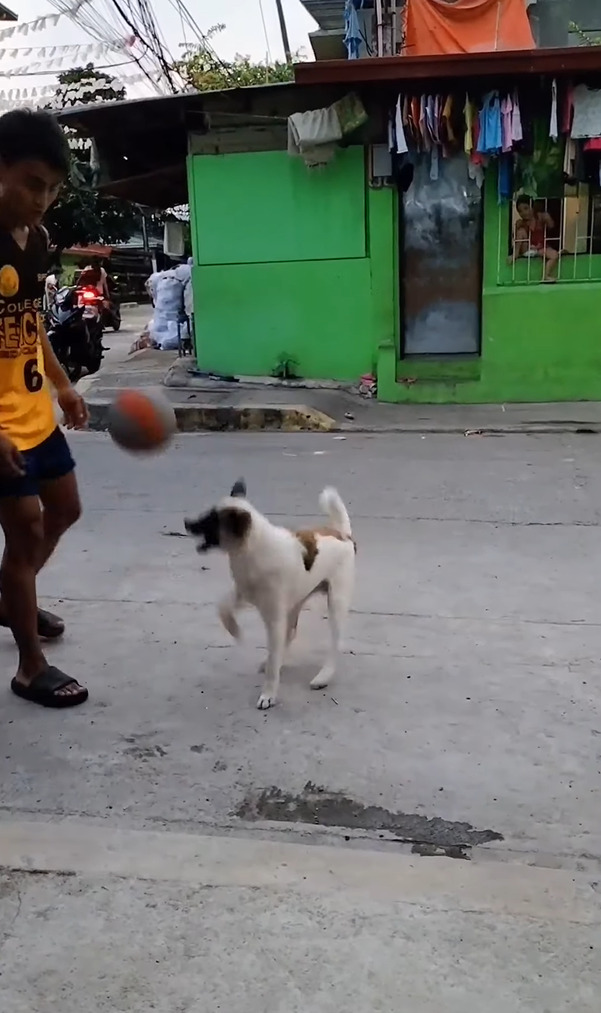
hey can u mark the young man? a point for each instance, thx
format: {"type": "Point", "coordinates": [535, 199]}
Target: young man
{"type": "Point", "coordinates": [38, 492]}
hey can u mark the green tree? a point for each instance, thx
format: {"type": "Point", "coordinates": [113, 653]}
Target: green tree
{"type": "Point", "coordinates": [81, 215]}
{"type": "Point", "coordinates": [203, 70]}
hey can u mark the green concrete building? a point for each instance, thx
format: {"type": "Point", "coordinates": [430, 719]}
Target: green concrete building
{"type": "Point", "coordinates": [340, 270]}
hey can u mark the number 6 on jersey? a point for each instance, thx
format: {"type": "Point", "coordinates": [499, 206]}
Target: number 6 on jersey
{"type": "Point", "coordinates": [33, 379]}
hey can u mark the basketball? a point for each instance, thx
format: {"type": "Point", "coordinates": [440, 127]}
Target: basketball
{"type": "Point", "coordinates": [141, 421]}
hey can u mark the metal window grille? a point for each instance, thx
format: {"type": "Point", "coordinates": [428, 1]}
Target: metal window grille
{"type": "Point", "coordinates": [575, 237]}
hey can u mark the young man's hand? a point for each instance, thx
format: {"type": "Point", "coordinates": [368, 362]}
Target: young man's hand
{"type": "Point", "coordinates": [74, 408]}
{"type": "Point", "coordinates": [11, 460]}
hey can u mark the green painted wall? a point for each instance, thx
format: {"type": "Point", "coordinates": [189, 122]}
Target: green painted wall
{"type": "Point", "coordinates": [539, 342]}
{"type": "Point", "coordinates": [305, 264]}
{"type": "Point", "coordinates": [282, 266]}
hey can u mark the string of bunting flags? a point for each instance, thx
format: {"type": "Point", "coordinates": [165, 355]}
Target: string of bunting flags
{"type": "Point", "coordinates": [43, 96]}
{"type": "Point", "coordinates": [85, 52]}
{"type": "Point", "coordinates": [39, 24]}
{"type": "Point", "coordinates": [29, 27]}
{"type": "Point", "coordinates": [79, 51]}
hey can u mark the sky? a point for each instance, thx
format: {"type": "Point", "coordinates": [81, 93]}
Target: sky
{"type": "Point", "coordinates": [244, 33]}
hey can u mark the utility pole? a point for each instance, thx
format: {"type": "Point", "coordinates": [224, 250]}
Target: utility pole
{"type": "Point", "coordinates": [284, 31]}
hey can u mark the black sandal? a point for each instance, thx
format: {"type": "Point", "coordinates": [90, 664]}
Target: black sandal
{"type": "Point", "coordinates": [44, 689]}
{"type": "Point", "coordinates": [50, 627]}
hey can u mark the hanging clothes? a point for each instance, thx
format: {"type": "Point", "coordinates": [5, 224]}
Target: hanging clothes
{"type": "Point", "coordinates": [587, 112]}
{"type": "Point", "coordinates": [391, 133]}
{"type": "Point", "coordinates": [431, 119]}
{"type": "Point", "coordinates": [450, 136]}
{"type": "Point", "coordinates": [506, 123]}
{"type": "Point", "coordinates": [490, 140]}
{"type": "Point", "coordinates": [399, 132]}
{"type": "Point", "coordinates": [414, 105]}
{"type": "Point", "coordinates": [516, 119]}
{"type": "Point", "coordinates": [568, 110]}
{"type": "Point", "coordinates": [352, 29]}
{"type": "Point", "coordinates": [469, 114]}
{"type": "Point", "coordinates": [505, 179]}
{"type": "Point", "coordinates": [553, 125]}
{"type": "Point", "coordinates": [423, 125]}
{"type": "Point", "coordinates": [529, 105]}
{"type": "Point", "coordinates": [476, 157]}
{"type": "Point", "coordinates": [436, 27]}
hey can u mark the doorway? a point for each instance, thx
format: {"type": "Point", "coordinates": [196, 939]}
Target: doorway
{"type": "Point", "coordinates": [441, 260]}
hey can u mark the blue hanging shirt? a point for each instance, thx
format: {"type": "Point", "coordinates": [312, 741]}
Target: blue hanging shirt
{"type": "Point", "coordinates": [490, 139]}
{"type": "Point", "coordinates": [352, 29]}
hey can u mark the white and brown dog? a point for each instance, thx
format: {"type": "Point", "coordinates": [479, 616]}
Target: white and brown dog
{"type": "Point", "coordinates": [276, 571]}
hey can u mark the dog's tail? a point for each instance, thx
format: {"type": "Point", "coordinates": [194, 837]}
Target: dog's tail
{"type": "Point", "coordinates": [332, 505]}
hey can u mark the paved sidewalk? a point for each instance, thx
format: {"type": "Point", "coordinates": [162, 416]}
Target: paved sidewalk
{"type": "Point", "coordinates": [178, 923]}
{"type": "Point", "coordinates": [205, 404]}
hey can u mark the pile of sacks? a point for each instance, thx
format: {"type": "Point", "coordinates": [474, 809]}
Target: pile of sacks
{"type": "Point", "coordinates": [171, 293]}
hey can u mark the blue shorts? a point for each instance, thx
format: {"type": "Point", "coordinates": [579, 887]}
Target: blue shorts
{"type": "Point", "coordinates": [49, 460]}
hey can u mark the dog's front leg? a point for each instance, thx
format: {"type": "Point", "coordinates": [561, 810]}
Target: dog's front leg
{"type": "Point", "coordinates": [276, 645]}
{"type": "Point", "coordinates": [227, 613]}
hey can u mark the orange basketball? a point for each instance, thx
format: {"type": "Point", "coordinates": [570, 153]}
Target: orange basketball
{"type": "Point", "coordinates": [141, 421]}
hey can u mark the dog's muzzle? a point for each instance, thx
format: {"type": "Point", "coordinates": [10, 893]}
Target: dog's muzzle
{"type": "Point", "coordinates": [206, 529]}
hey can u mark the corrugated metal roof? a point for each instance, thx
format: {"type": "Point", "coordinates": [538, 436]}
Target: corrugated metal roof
{"type": "Point", "coordinates": [329, 14]}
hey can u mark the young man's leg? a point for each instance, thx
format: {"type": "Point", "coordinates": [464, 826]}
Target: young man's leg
{"type": "Point", "coordinates": [21, 521]}
{"type": "Point", "coordinates": [32, 523]}
{"type": "Point", "coordinates": [61, 509]}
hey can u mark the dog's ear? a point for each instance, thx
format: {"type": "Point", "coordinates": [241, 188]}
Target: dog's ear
{"type": "Point", "coordinates": [235, 523]}
{"type": "Point", "coordinates": [239, 489]}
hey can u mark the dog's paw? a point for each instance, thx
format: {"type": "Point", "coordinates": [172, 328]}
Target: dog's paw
{"type": "Point", "coordinates": [229, 621]}
{"type": "Point", "coordinates": [321, 680]}
{"type": "Point", "coordinates": [265, 701]}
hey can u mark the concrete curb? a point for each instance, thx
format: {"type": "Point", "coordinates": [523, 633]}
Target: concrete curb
{"type": "Point", "coordinates": [515, 429]}
{"type": "Point", "coordinates": [231, 418]}
{"type": "Point", "coordinates": [199, 417]}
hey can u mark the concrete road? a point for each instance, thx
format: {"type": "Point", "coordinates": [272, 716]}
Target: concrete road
{"type": "Point", "coordinates": [118, 343]}
{"type": "Point", "coordinates": [465, 721]}
{"type": "Point", "coordinates": [133, 321]}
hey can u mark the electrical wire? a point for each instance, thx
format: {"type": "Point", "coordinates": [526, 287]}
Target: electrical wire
{"type": "Point", "coordinates": [107, 21]}
{"type": "Point", "coordinates": [265, 31]}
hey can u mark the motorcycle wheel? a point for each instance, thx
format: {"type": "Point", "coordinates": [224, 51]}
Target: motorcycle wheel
{"type": "Point", "coordinates": [116, 323]}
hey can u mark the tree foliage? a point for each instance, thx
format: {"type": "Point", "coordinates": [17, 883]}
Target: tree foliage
{"type": "Point", "coordinates": [584, 38]}
{"type": "Point", "coordinates": [81, 215]}
{"type": "Point", "coordinates": [203, 70]}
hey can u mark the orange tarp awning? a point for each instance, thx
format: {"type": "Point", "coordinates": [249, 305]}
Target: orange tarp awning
{"type": "Point", "coordinates": [434, 27]}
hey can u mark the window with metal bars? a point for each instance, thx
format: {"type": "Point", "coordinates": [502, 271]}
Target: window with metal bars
{"type": "Point", "coordinates": [551, 239]}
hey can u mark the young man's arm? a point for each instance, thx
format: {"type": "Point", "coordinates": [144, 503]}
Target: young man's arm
{"type": "Point", "coordinates": [71, 402]}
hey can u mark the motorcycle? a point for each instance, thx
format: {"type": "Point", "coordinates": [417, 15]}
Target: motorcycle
{"type": "Point", "coordinates": [74, 327]}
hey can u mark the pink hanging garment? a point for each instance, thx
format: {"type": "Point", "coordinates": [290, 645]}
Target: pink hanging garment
{"type": "Point", "coordinates": [506, 123]}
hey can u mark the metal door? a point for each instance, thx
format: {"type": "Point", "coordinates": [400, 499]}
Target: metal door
{"type": "Point", "coordinates": [441, 260]}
